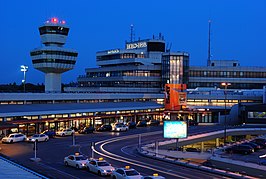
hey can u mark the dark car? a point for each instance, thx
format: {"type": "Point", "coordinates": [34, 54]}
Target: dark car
{"type": "Point", "coordinates": [255, 146]}
{"type": "Point", "coordinates": [153, 123]}
{"type": "Point", "coordinates": [50, 133]}
{"type": "Point", "coordinates": [74, 128]}
{"type": "Point", "coordinates": [142, 124]}
{"type": "Point", "coordinates": [260, 141]}
{"type": "Point", "coordinates": [105, 127]}
{"type": "Point", "coordinates": [241, 149]}
{"type": "Point", "coordinates": [131, 125]}
{"type": "Point", "coordinates": [192, 149]}
{"type": "Point", "coordinates": [86, 130]}
{"type": "Point", "coordinates": [193, 123]}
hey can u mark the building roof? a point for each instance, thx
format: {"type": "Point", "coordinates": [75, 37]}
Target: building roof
{"type": "Point", "coordinates": [10, 169]}
{"type": "Point", "coordinates": [41, 109]}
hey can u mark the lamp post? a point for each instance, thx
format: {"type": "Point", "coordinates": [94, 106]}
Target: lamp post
{"type": "Point", "coordinates": [24, 69]}
{"type": "Point", "coordinates": [225, 84]}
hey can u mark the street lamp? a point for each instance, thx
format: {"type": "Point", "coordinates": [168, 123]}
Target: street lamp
{"type": "Point", "coordinates": [225, 84]}
{"type": "Point", "coordinates": [24, 69]}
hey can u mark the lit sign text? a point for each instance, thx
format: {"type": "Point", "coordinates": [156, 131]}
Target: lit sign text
{"type": "Point", "coordinates": [137, 45]}
{"type": "Point", "coordinates": [113, 51]}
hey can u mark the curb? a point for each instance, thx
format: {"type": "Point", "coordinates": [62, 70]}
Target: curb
{"type": "Point", "coordinates": [194, 166]}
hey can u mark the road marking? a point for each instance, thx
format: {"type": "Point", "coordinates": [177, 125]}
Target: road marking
{"type": "Point", "coordinates": [123, 150]}
{"type": "Point", "coordinates": [59, 171]}
{"type": "Point", "coordinates": [130, 161]}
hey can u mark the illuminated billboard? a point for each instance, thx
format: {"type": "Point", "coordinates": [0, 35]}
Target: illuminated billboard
{"type": "Point", "coordinates": [175, 129]}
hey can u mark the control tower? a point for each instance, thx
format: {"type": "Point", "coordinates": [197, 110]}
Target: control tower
{"type": "Point", "coordinates": [52, 58]}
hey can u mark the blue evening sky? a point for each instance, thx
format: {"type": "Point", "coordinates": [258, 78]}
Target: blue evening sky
{"type": "Point", "coordinates": [238, 30]}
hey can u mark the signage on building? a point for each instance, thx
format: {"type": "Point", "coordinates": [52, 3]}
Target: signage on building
{"type": "Point", "coordinates": [136, 45]}
{"type": "Point", "coordinates": [175, 97]}
{"type": "Point", "coordinates": [113, 51]}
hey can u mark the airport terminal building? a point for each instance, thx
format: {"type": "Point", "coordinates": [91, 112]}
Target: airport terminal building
{"type": "Point", "coordinates": [128, 84]}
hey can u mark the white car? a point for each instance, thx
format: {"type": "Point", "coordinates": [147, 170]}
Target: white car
{"type": "Point", "coordinates": [65, 132]}
{"type": "Point", "coordinates": [154, 176]}
{"type": "Point", "coordinates": [119, 127]}
{"type": "Point", "coordinates": [38, 138]}
{"type": "Point", "coordinates": [77, 160]}
{"type": "Point", "coordinates": [16, 137]}
{"type": "Point", "coordinates": [100, 166]}
{"type": "Point", "coordinates": [126, 173]}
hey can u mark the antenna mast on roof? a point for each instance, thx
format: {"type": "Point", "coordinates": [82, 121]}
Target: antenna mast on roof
{"type": "Point", "coordinates": [132, 34]}
{"type": "Point", "coordinates": [209, 45]}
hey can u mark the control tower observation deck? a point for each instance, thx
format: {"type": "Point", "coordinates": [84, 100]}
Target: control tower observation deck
{"type": "Point", "coordinates": [52, 58]}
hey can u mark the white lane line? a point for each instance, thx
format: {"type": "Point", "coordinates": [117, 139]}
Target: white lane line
{"type": "Point", "coordinates": [126, 160]}
{"type": "Point", "coordinates": [59, 171]}
{"type": "Point", "coordinates": [124, 151]}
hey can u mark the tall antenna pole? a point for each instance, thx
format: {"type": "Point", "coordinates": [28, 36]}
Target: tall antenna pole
{"type": "Point", "coordinates": [209, 45]}
{"type": "Point", "coordinates": [132, 35]}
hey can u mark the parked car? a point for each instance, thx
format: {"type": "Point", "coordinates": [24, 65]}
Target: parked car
{"type": "Point", "coordinates": [74, 128]}
{"type": "Point", "coordinates": [192, 123]}
{"type": "Point", "coordinates": [192, 149]}
{"type": "Point", "coordinates": [241, 149]}
{"type": "Point", "coordinates": [100, 166]}
{"type": "Point", "coordinates": [76, 160]}
{"type": "Point", "coordinates": [260, 141]}
{"type": "Point", "coordinates": [65, 132]}
{"type": "Point", "coordinates": [15, 137]}
{"type": "Point", "coordinates": [126, 172]}
{"type": "Point", "coordinates": [49, 133]}
{"type": "Point", "coordinates": [132, 125]}
{"type": "Point", "coordinates": [119, 127]}
{"type": "Point", "coordinates": [142, 124]}
{"type": "Point", "coordinates": [38, 138]}
{"type": "Point", "coordinates": [87, 130]}
{"type": "Point", "coordinates": [153, 123]}
{"type": "Point", "coordinates": [253, 145]}
{"type": "Point", "coordinates": [105, 127]}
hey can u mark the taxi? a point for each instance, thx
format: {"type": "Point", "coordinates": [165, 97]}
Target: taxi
{"type": "Point", "coordinates": [154, 176]}
{"type": "Point", "coordinates": [100, 166]}
{"type": "Point", "coordinates": [126, 173]}
{"type": "Point", "coordinates": [76, 160]}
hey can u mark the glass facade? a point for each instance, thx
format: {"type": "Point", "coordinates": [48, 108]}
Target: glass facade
{"type": "Point", "coordinates": [230, 71]}
{"type": "Point", "coordinates": [53, 30]}
{"type": "Point", "coordinates": [175, 68]}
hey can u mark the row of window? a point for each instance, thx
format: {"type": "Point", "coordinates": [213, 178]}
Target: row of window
{"type": "Point", "coordinates": [72, 115]}
{"type": "Point", "coordinates": [120, 56]}
{"type": "Point", "coordinates": [50, 60]}
{"type": "Point", "coordinates": [228, 74]}
{"type": "Point", "coordinates": [50, 52]}
{"type": "Point", "coordinates": [136, 84]}
{"type": "Point", "coordinates": [124, 73]}
{"type": "Point", "coordinates": [53, 30]}
{"type": "Point", "coordinates": [232, 86]}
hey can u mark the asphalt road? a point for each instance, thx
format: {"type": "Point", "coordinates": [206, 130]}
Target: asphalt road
{"type": "Point", "coordinates": [53, 152]}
